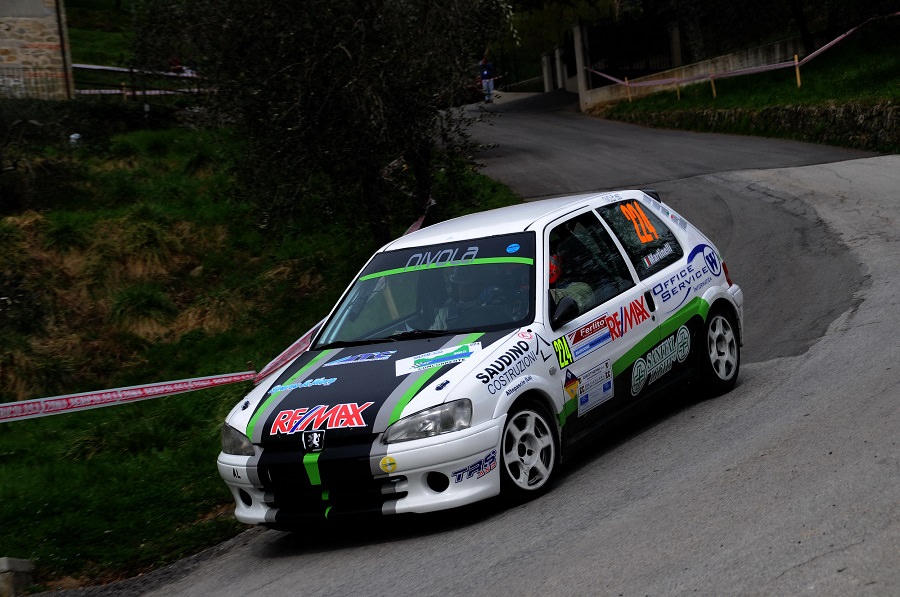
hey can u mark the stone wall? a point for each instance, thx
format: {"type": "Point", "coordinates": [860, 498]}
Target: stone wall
{"type": "Point", "coordinates": [34, 50]}
{"type": "Point", "coordinates": [871, 127]}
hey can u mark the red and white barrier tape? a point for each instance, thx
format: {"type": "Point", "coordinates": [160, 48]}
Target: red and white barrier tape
{"type": "Point", "coordinates": [43, 407]}
{"type": "Point", "coordinates": [289, 354]}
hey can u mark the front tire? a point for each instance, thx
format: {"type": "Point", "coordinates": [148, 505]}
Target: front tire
{"type": "Point", "coordinates": [721, 359]}
{"type": "Point", "coordinates": [529, 452]}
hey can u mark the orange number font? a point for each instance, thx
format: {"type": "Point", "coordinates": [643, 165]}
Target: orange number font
{"type": "Point", "coordinates": [642, 226]}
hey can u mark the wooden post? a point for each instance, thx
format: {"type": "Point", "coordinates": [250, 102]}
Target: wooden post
{"type": "Point", "coordinates": [628, 89]}
{"type": "Point", "coordinates": [797, 69]}
{"type": "Point", "coordinates": [712, 82]}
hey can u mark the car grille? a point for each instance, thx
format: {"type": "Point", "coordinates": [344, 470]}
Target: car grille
{"type": "Point", "coordinates": [345, 485]}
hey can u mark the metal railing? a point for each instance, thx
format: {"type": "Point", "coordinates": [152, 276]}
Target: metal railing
{"type": "Point", "coordinates": [34, 82]}
{"type": "Point", "coordinates": [51, 83]}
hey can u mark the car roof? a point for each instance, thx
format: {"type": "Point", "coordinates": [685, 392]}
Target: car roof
{"type": "Point", "coordinates": [503, 220]}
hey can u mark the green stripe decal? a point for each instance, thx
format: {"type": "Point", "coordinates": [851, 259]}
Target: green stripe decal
{"type": "Point", "coordinates": [569, 408]}
{"type": "Point", "coordinates": [697, 306]}
{"type": "Point", "coordinates": [253, 420]}
{"type": "Point", "coordinates": [423, 379]}
{"type": "Point", "coordinates": [483, 260]}
{"type": "Point", "coordinates": [311, 463]}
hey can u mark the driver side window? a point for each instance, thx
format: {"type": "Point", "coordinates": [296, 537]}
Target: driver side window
{"type": "Point", "coordinates": [585, 263]}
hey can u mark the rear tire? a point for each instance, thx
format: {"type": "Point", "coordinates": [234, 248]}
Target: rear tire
{"type": "Point", "coordinates": [529, 452]}
{"type": "Point", "coordinates": [721, 353]}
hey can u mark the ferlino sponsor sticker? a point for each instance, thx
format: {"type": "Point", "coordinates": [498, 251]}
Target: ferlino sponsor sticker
{"type": "Point", "coordinates": [589, 337]}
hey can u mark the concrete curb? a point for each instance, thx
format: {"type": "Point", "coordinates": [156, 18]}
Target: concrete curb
{"type": "Point", "coordinates": [15, 576]}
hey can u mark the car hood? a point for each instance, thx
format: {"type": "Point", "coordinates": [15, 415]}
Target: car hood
{"type": "Point", "coordinates": [359, 391]}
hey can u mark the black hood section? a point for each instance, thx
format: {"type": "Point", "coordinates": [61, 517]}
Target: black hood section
{"type": "Point", "coordinates": [342, 391]}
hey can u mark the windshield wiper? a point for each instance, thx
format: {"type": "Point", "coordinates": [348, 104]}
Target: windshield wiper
{"type": "Point", "coordinates": [411, 334]}
{"type": "Point", "coordinates": [341, 344]}
{"type": "Point", "coordinates": [395, 337]}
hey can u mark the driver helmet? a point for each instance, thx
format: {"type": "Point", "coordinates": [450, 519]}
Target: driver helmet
{"type": "Point", "coordinates": [555, 268]}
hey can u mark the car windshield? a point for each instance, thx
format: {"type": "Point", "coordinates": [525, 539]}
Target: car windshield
{"type": "Point", "coordinates": [483, 284]}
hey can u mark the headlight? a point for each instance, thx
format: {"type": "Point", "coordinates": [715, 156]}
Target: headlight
{"type": "Point", "coordinates": [235, 442]}
{"type": "Point", "coordinates": [445, 418]}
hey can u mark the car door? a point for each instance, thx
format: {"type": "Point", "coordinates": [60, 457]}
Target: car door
{"type": "Point", "coordinates": [655, 256]}
{"type": "Point", "coordinates": [595, 348]}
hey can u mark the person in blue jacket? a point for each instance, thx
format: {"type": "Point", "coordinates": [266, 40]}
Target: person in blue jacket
{"type": "Point", "coordinates": [487, 80]}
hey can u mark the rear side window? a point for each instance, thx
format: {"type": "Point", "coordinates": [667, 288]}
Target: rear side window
{"type": "Point", "coordinates": [650, 244]}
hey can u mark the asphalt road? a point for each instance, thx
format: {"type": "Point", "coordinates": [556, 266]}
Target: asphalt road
{"type": "Point", "coordinates": [788, 485]}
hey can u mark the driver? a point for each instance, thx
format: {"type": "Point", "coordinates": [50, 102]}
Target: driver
{"type": "Point", "coordinates": [469, 302]}
{"type": "Point", "coordinates": [581, 292]}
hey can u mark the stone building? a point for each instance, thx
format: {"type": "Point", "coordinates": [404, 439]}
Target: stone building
{"type": "Point", "coordinates": [35, 60]}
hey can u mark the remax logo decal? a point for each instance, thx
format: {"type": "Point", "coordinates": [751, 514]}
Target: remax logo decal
{"type": "Point", "coordinates": [339, 416]}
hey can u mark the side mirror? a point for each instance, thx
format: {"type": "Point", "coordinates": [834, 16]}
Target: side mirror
{"type": "Point", "coordinates": [566, 310]}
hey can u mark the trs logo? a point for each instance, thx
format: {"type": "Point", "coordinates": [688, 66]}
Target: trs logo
{"type": "Point", "coordinates": [339, 416]}
{"type": "Point", "coordinates": [477, 469]}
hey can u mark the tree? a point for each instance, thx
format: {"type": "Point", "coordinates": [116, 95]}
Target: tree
{"type": "Point", "coordinates": [329, 93]}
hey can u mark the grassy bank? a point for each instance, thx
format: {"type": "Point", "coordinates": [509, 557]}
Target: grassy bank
{"type": "Point", "coordinates": [849, 96]}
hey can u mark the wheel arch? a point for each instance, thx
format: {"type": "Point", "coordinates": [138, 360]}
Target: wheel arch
{"type": "Point", "coordinates": [534, 396]}
{"type": "Point", "coordinates": [722, 304]}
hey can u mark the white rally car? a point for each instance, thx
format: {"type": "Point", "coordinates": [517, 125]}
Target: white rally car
{"type": "Point", "coordinates": [470, 357]}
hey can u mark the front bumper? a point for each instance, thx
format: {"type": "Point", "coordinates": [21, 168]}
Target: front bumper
{"type": "Point", "coordinates": [417, 476]}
